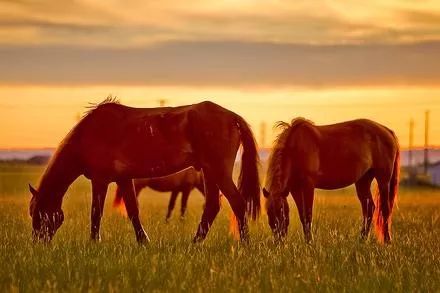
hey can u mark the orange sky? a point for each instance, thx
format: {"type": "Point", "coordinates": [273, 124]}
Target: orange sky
{"type": "Point", "coordinates": [267, 60]}
{"type": "Point", "coordinates": [39, 116]}
{"type": "Point", "coordinates": [137, 23]}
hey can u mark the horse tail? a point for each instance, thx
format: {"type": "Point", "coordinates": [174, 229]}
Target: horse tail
{"type": "Point", "coordinates": [394, 184]}
{"type": "Point", "coordinates": [379, 222]}
{"type": "Point", "coordinates": [249, 180]}
{"type": "Point", "coordinates": [118, 202]}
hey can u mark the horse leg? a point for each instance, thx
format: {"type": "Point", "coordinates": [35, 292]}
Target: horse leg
{"type": "Point", "coordinates": [304, 202]}
{"type": "Point", "coordinates": [138, 188]}
{"type": "Point", "coordinates": [131, 204]}
{"type": "Point", "coordinates": [238, 205]}
{"type": "Point", "coordinates": [184, 203]}
{"type": "Point", "coordinates": [99, 192]}
{"type": "Point", "coordinates": [211, 209]}
{"type": "Point", "coordinates": [363, 191]}
{"type": "Point", "coordinates": [172, 203]}
{"type": "Point", "coordinates": [201, 187]}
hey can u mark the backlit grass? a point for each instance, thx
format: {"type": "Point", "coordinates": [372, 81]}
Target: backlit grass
{"type": "Point", "coordinates": [336, 260]}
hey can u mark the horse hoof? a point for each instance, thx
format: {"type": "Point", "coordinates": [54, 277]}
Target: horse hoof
{"type": "Point", "coordinates": [244, 240]}
{"type": "Point", "coordinates": [387, 240]}
{"type": "Point", "coordinates": [363, 237]}
{"type": "Point", "coordinates": [95, 238]}
{"type": "Point", "coordinates": [143, 241]}
{"type": "Point", "coordinates": [244, 236]}
{"type": "Point", "coordinates": [198, 239]}
{"type": "Point", "coordinates": [142, 238]}
{"type": "Point", "coordinates": [278, 238]}
{"type": "Point", "coordinates": [277, 241]}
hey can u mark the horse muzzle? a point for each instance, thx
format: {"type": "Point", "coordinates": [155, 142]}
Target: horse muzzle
{"type": "Point", "coordinates": [280, 231]}
{"type": "Point", "coordinates": [42, 236]}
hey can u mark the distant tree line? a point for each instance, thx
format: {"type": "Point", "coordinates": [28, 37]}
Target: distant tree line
{"type": "Point", "coordinates": [35, 160]}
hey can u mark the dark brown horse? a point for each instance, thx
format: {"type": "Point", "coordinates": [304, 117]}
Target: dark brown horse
{"type": "Point", "coordinates": [116, 143]}
{"type": "Point", "coordinates": [181, 182]}
{"type": "Point", "coordinates": [306, 157]}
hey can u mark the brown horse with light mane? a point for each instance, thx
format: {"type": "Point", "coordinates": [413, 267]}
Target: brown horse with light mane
{"type": "Point", "coordinates": [116, 143]}
{"type": "Point", "coordinates": [181, 182]}
{"type": "Point", "coordinates": [307, 156]}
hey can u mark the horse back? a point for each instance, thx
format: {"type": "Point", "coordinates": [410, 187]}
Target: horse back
{"type": "Point", "coordinates": [349, 149]}
{"type": "Point", "coordinates": [116, 140]}
{"type": "Point", "coordinates": [215, 133]}
{"type": "Point", "coordinates": [362, 136]}
{"type": "Point", "coordinates": [337, 155]}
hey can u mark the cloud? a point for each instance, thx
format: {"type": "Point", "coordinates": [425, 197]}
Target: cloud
{"type": "Point", "coordinates": [423, 18]}
{"type": "Point", "coordinates": [241, 42]}
{"type": "Point", "coordinates": [139, 23]}
{"type": "Point", "coordinates": [224, 64]}
{"type": "Point", "coordinates": [53, 26]}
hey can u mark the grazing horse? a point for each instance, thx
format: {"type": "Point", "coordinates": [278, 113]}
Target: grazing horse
{"type": "Point", "coordinates": [184, 181]}
{"type": "Point", "coordinates": [116, 143]}
{"type": "Point", "coordinates": [334, 156]}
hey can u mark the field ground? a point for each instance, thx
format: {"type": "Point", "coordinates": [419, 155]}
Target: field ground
{"type": "Point", "coordinates": [336, 261]}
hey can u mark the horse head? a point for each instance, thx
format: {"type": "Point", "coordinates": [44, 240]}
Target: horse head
{"type": "Point", "coordinates": [277, 212]}
{"type": "Point", "coordinates": [45, 219]}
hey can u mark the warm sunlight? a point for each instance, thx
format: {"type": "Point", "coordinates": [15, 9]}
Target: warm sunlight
{"type": "Point", "coordinates": [39, 116]}
{"type": "Point", "coordinates": [246, 146]}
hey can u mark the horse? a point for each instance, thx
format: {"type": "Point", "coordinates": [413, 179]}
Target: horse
{"type": "Point", "coordinates": [306, 156]}
{"type": "Point", "coordinates": [184, 181]}
{"type": "Point", "coordinates": [117, 143]}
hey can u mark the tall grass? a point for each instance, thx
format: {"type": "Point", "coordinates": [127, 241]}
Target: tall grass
{"type": "Point", "coordinates": [336, 261]}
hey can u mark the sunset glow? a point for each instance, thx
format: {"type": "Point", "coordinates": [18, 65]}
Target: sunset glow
{"type": "Point", "coordinates": [202, 122]}
{"type": "Point", "coordinates": [116, 23]}
{"type": "Point", "coordinates": [39, 116]}
{"type": "Point", "coordinates": [325, 60]}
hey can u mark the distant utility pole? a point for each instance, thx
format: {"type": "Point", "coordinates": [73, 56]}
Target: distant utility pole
{"type": "Point", "coordinates": [411, 143]}
{"type": "Point", "coordinates": [162, 102]}
{"type": "Point", "coordinates": [262, 134]}
{"type": "Point", "coordinates": [426, 160]}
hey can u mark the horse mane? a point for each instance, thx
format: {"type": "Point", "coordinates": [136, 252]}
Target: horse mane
{"type": "Point", "coordinates": [94, 106]}
{"type": "Point", "coordinates": [90, 108]}
{"type": "Point", "coordinates": [64, 147]}
{"type": "Point", "coordinates": [281, 146]}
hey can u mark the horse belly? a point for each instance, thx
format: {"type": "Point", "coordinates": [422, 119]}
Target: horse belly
{"type": "Point", "coordinates": [163, 185]}
{"type": "Point", "coordinates": [340, 172]}
{"type": "Point", "coordinates": [159, 164]}
{"type": "Point", "coordinates": [330, 182]}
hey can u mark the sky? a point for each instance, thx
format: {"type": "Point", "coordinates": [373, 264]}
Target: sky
{"type": "Point", "coordinates": [328, 61]}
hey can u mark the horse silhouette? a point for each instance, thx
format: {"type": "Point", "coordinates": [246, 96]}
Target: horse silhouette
{"type": "Point", "coordinates": [306, 157]}
{"type": "Point", "coordinates": [117, 143]}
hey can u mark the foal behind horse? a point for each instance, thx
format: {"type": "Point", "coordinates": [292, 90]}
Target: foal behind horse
{"type": "Point", "coordinates": [181, 182]}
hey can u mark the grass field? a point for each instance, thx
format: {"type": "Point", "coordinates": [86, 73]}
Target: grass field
{"type": "Point", "coordinates": [336, 261]}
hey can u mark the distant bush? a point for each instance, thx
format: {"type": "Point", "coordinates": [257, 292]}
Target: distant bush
{"type": "Point", "coordinates": [38, 160]}
{"type": "Point", "coordinates": [35, 160]}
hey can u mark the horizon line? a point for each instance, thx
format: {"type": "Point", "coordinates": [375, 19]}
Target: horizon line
{"type": "Point", "coordinates": [416, 148]}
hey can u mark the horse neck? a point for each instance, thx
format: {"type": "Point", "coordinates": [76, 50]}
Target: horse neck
{"type": "Point", "coordinates": [280, 171]}
{"type": "Point", "coordinates": [62, 170]}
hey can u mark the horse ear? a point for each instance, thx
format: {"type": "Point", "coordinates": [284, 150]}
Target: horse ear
{"type": "Point", "coordinates": [33, 191]}
{"type": "Point", "coordinates": [265, 192]}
